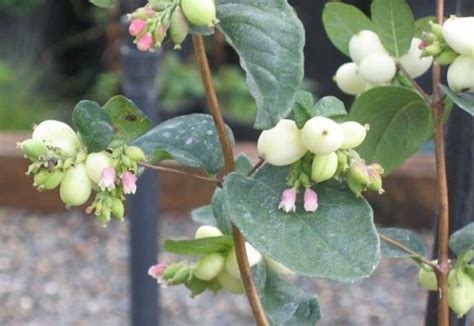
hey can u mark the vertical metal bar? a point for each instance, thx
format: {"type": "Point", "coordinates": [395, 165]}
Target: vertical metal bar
{"type": "Point", "coordinates": [139, 84]}
{"type": "Point", "coordinates": [460, 165]}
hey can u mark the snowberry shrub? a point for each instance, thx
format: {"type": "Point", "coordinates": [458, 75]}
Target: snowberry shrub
{"type": "Point", "coordinates": [300, 210]}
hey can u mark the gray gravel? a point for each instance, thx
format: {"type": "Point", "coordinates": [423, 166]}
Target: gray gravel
{"type": "Point", "coordinates": [65, 269]}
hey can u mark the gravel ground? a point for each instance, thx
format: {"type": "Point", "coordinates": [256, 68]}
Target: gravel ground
{"type": "Point", "coordinates": [66, 269]}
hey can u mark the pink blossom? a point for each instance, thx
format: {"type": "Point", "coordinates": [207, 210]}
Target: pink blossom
{"type": "Point", "coordinates": [129, 181]}
{"type": "Point", "coordinates": [145, 42]}
{"type": "Point", "coordinates": [288, 200]}
{"type": "Point", "coordinates": [137, 26]}
{"type": "Point", "coordinates": [156, 271]}
{"type": "Point", "coordinates": [310, 200]}
{"type": "Point", "coordinates": [107, 178]}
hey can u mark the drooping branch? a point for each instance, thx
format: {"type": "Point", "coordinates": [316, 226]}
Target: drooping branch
{"type": "Point", "coordinates": [239, 240]}
{"type": "Point", "coordinates": [404, 248]}
{"type": "Point", "coordinates": [442, 186]}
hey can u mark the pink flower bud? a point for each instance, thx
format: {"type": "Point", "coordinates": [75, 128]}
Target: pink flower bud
{"type": "Point", "coordinates": [107, 178]}
{"type": "Point", "coordinates": [129, 183]}
{"type": "Point", "coordinates": [310, 200]}
{"type": "Point", "coordinates": [288, 200]}
{"type": "Point", "coordinates": [137, 26]}
{"type": "Point", "coordinates": [156, 271]}
{"type": "Point", "coordinates": [145, 42]}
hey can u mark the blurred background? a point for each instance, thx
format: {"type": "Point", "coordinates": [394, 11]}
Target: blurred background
{"type": "Point", "coordinates": [61, 267]}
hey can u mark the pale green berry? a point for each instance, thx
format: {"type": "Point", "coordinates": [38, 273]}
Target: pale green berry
{"type": "Point", "coordinates": [118, 208]}
{"type": "Point", "coordinates": [209, 266]}
{"type": "Point", "coordinates": [57, 134]}
{"type": "Point", "coordinates": [458, 32]}
{"type": "Point", "coordinates": [412, 61]}
{"type": "Point", "coordinates": [353, 134]}
{"type": "Point", "coordinates": [135, 153]}
{"type": "Point", "coordinates": [96, 163]}
{"type": "Point", "coordinates": [207, 231]}
{"type": "Point", "coordinates": [322, 136]}
{"type": "Point", "coordinates": [427, 278]}
{"type": "Point", "coordinates": [231, 284]}
{"type": "Point", "coordinates": [461, 292]}
{"type": "Point", "coordinates": [200, 12]}
{"type": "Point", "coordinates": [76, 187]}
{"type": "Point", "coordinates": [363, 44]}
{"type": "Point", "coordinates": [281, 145]}
{"type": "Point", "coordinates": [378, 68]}
{"type": "Point", "coordinates": [461, 74]}
{"type": "Point", "coordinates": [278, 268]}
{"type": "Point", "coordinates": [349, 80]}
{"type": "Point", "coordinates": [324, 167]}
{"type": "Point", "coordinates": [33, 148]}
{"type": "Point", "coordinates": [179, 27]}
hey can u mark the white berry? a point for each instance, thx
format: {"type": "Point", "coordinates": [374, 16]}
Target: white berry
{"type": "Point", "coordinates": [231, 264]}
{"type": "Point", "coordinates": [412, 61]}
{"type": "Point", "coordinates": [281, 145]}
{"type": "Point", "coordinates": [57, 134]}
{"type": "Point", "coordinates": [363, 44]}
{"type": "Point", "coordinates": [207, 231]}
{"type": "Point", "coordinates": [458, 32]}
{"type": "Point", "coordinates": [322, 136]}
{"type": "Point", "coordinates": [349, 80]}
{"type": "Point", "coordinates": [354, 134]}
{"type": "Point", "coordinates": [378, 68]}
{"type": "Point", "coordinates": [461, 74]}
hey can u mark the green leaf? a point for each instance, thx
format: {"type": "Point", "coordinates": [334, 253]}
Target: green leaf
{"type": "Point", "coordinates": [405, 237]}
{"type": "Point", "coordinates": [243, 164]}
{"type": "Point", "coordinates": [199, 247]}
{"type": "Point", "coordinates": [462, 240]}
{"type": "Point", "coordinates": [93, 124]}
{"type": "Point", "coordinates": [302, 107]}
{"type": "Point", "coordinates": [127, 119]}
{"type": "Point", "coordinates": [464, 100]}
{"type": "Point", "coordinates": [400, 122]}
{"type": "Point", "coordinates": [330, 107]}
{"type": "Point", "coordinates": [269, 39]}
{"type": "Point", "coordinates": [341, 22]}
{"type": "Point", "coordinates": [423, 25]}
{"type": "Point", "coordinates": [338, 242]}
{"type": "Point", "coordinates": [395, 24]}
{"type": "Point", "coordinates": [190, 139]}
{"type": "Point", "coordinates": [284, 303]}
{"type": "Point", "coordinates": [103, 3]}
{"type": "Point", "coordinates": [204, 215]}
{"type": "Point", "coordinates": [222, 220]}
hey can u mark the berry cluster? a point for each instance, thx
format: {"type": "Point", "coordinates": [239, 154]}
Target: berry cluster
{"type": "Point", "coordinates": [460, 282]}
{"type": "Point", "coordinates": [150, 24]}
{"type": "Point", "coordinates": [453, 44]}
{"type": "Point", "coordinates": [321, 150]}
{"type": "Point", "coordinates": [60, 159]}
{"type": "Point", "coordinates": [215, 271]}
{"type": "Point", "coordinates": [373, 66]}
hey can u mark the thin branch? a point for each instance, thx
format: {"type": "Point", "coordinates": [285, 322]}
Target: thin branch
{"type": "Point", "coordinates": [239, 240]}
{"type": "Point", "coordinates": [180, 172]}
{"type": "Point", "coordinates": [404, 248]}
{"type": "Point", "coordinates": [414, 83]}
{"type": "Point", "coordinates": [256, 166]}
{"type": "Point", "coordinates": [443, 227]}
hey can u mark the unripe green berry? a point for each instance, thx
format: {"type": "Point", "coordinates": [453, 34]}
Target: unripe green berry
{"type": "Point", "coordinates": [117, 208]}
{"type": "Point", "coordinates": [96, 163]}
{"type": "Point", "coordinates": [181, 276]}
{"type": "Point", "coordinates": [341, 163]}
{"type": "Point", "coordinates": [209, 266]}
{"type": "Point", "coordinates": [53, 180]}
{"type": "Point", "coordinates": [76, 187]}
{"type": "Point", "coordinates": [196, 285]}
{"type": "Point", "coordinates": [461, 292]}
{"type": "Point", "coordinates": [135, 153]}
{"type": "Point", "coordinates": [33, 148]}
{"type": "Point", "coordinates": [353, 134]}
{"type": "Point", "coordinates": [206, 231]}
{"type": "Point", "coordinates": [322, 136]}
{"type": "Point", "coordinates": [446, 57]}
{"type": "Point", "coordinates": [200, 12]}
{"type": "Point", "coordinates": [231, 284]}
{"type": "Point", "coordinates": [427, 278]}
{"type": "Point", "coordinates": [171, 270]}
{"type": "Point", "coordinates": [324, 167]}
{"type": "Point", "coordinates": [355, 186]}
{"type": "Point", "coordinates": [358, 172]}
{"type": "Point", "coordinates": [231, 264]}
{"type": "Point", "coordinates": [179, 27]}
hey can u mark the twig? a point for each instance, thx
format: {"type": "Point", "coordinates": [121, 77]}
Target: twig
{"type": "Point", "coordinates": [239, 240]}
{"type": "Point", "coordinates": [443, 227]}
{"type": "Point", "coordinates": [404, 248]}
{"type": "Point", "coordinates": [256, 166]}
{"type": "Point", "coordinates": [181, 172]}
{"type": "Point", "coordinates": [414, 83]}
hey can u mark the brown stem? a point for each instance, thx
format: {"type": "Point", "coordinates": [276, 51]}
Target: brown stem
{"type": "Point", "coordinates": [443, 228]}
{"type": "Point", "coordinates": [404, 248]}
{"type": "Point", "coordinates": [181, 172]}
{"type": "Point", "coordinates": [239, 240]}
{"type": "Point", "coordinates": [256, 166]}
